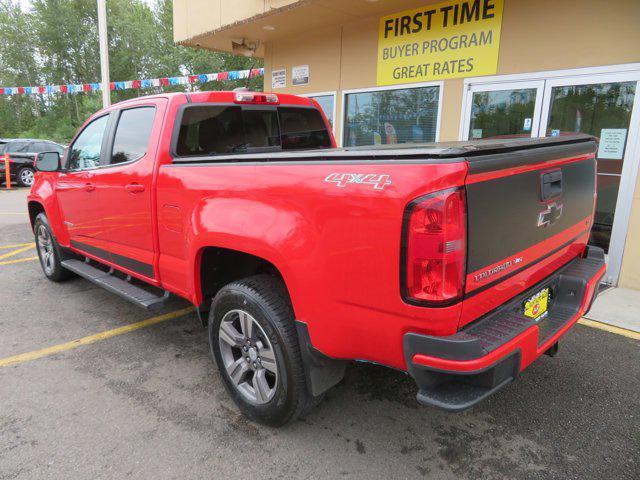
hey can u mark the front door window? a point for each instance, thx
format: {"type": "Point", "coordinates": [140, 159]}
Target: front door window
{"type": "Point", "coordinates": [85, 151]}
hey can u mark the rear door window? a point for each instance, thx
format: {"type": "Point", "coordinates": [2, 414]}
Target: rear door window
{"type": "Point", "coordinates": [18, 147]}
{"type": "Point", "coordinates": [131, 140]}
{"type": "Point", "coordinates": [222, 130]}
{"type": "Point", "coordinates": [39, 147]}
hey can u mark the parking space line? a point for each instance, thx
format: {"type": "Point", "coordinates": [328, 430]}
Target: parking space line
{"type": "Point", "coordinates": [609, 328]}
{"type": "Point", "coordinates": [18, 260]}
{"type": "Point", "coordinates": [15, 245]}
{"type": "Point", "coordinates": [45, 352]}
{"type": "Point", "coordinates": [17, 251]}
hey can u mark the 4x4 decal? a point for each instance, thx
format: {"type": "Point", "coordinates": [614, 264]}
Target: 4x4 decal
{"type": "Point", "coordinates": [379, 181]}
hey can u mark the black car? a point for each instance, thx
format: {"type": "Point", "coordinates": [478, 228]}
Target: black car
{"type": "Point", "coordinates": [22, 152]}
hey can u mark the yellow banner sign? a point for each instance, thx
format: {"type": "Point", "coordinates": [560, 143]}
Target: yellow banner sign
{"type": "Point", "coordinates": [458, 38]}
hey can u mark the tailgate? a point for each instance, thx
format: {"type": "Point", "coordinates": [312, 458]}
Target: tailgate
{"type": "Point", "coordinates": [526, 207]}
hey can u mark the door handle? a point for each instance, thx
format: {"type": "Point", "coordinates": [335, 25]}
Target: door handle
{"type": "Point", "coordinates": [550, 184]}
{"type": "Point", "coordinates": [89, 187]}
{"type": "Point", "coordinates": [134, 188]}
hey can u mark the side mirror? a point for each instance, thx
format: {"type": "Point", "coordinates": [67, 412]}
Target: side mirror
{"type": "Point", "coordinates": [48, 162]}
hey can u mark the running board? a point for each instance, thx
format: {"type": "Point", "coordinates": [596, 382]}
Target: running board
{"type": "Point", "coordinates": [123, 288]}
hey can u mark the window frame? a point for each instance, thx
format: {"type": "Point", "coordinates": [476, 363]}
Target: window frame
{"type": "Point", "coordinates": [173, 152]}
{"type": "Point", "coordinates": [333, 94]}
{"type": "Point", "coordinates": [113, 128]}
{"type": "Point", "coordinates": [404, 86]}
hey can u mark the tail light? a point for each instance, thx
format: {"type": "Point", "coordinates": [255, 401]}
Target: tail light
{"type": "Point", "coordinates": [434, 248]}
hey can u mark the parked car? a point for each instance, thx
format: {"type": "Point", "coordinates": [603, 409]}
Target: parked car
{"type": "Point", "coordinates": [22, 152]}
{"type": "Point", "coordinates": [459, 263]}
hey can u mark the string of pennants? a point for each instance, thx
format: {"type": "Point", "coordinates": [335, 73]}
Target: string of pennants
{"type": "Point", "coordinates": [146, 83]}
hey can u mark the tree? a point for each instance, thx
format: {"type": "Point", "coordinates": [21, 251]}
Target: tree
{"type": "Point", "coordinates": [55, 42]}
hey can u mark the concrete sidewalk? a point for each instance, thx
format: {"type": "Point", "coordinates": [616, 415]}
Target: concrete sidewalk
{"type": "Point", "coordinates": [619, 307]}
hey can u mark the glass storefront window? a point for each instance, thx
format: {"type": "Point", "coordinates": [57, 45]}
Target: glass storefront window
{"type": "Point", "coordinates": [602, 110]}
{"type": "Point", "coordinates": [502, 113]}
{"type": "Point", "coordinates": [385, 117]}
{"type": "Point", "coordinates": [590, 109]}
{"type": "Point", "coordinates": [327, 104]}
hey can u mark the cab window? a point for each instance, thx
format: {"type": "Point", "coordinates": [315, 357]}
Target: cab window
{"type": "Point", "coordinates": [221, 129]}
{"type": "Point", "coordinates": [85, 151]}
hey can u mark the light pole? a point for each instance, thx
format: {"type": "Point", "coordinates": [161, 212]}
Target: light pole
{"type": "Point", "coordinates": [104, 53]}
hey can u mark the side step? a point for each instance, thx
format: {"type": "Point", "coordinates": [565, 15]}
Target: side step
{"type": "Point", "coordinates": [123, 288]}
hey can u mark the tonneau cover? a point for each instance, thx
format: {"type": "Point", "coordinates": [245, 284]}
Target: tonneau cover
{"type": "Point", "coordinates": [471, 150]}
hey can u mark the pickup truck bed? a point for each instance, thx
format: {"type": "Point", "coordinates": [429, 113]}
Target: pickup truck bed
{"type": "Point", "coordinates": [459, 262]}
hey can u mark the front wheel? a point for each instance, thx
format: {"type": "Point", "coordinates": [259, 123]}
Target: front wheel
{"type": "Point", "coordinates": [255, 345]}
{"type": "Point", "coordinates": [49, 251]}
{"type": "Point", "coordinates": [25, 176]}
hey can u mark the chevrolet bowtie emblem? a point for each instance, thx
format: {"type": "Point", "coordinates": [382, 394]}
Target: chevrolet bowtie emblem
{"type": "Point", "coordinates": [548, 217]}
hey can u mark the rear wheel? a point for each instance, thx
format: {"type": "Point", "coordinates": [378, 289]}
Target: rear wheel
{"type": "Point", "coordinates": [25, 176]}
{"type": "Point", "coordinates": [49, 252]}
{"type": "Point", "coordinates": [255, 345]}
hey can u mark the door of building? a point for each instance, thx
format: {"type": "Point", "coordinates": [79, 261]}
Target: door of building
{"type": "Point", "coordinates": [602, 103]}
{"type": "Point", "coordinates": [505, 109]}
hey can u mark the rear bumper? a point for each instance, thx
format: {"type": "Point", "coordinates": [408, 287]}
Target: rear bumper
{"type": "Point", "coordinates": [458, 371]}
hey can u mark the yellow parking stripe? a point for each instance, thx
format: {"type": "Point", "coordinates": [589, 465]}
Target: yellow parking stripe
{"type": "Point", "coordinates": [609, 328]}
{"type": "Point", "coordinates": [17, 251]}
{"type": "Point", "coordinates": [19, 260]}
{"type": "Point", "coordinates": [44, 352]}
{"type": "Point", "coordinates": [15, 245]}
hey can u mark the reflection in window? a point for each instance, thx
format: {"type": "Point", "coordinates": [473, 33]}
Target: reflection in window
{"type": "Point", "coordinates": [132, 135]}
{"type": "Point", "coordinates": [326, 102]}
{"type": "Point", "coordinates": [591, 108]}
{"type": "Point", "coordinates": [85, 151]}
{"type": "Point", "coordinates": [600, 110]}
{"type": "Point", "coordinates": [503, 113]}
{"type": "Point", "coordinates": [391, 116]}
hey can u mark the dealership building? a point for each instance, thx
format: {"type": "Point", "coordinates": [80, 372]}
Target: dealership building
{"type": "Point", "coordinates": [405, 71]}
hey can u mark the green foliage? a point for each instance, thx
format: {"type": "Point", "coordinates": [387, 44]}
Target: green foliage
{"type": "Point", "coordinates": [55, 42]}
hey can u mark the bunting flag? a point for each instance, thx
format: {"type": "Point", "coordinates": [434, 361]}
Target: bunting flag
{"type": "Point", "coordinates": [129, 84]}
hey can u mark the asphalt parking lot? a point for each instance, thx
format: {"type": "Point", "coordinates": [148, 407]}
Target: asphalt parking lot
{"type": "Point", "coordinates": [147, 403]}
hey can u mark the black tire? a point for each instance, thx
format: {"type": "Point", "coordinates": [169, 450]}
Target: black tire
{"type": "Point", "coordinates": [265, 298]}
{"type": "Point", "coordinates": [28, 173]}
{"type": "Point", "coordinates": [54, 270]}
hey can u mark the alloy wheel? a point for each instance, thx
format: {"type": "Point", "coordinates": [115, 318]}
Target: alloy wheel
{"type": "Point", "coordinates": [27, 176]}
{"type": "Point", "coordinates": [45, 250]}
{"type": "Point", "coordinates": [248, 357]}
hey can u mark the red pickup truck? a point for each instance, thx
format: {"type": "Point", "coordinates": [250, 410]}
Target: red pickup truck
{"type": "Point", "coordinates": [459, 263]}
